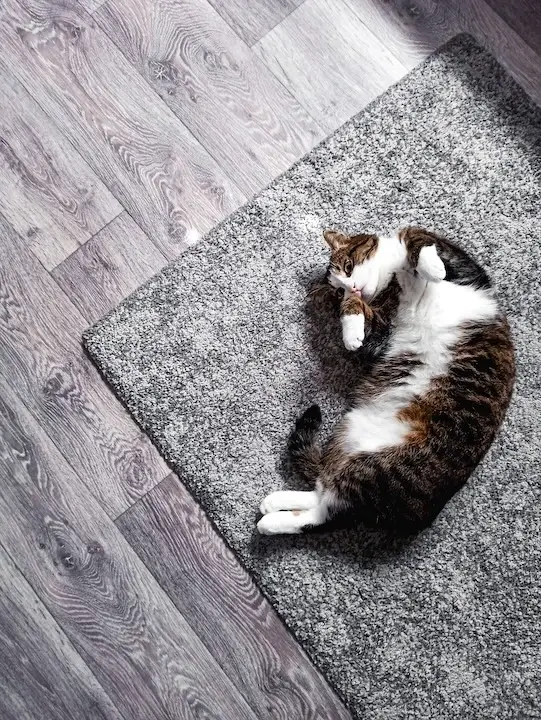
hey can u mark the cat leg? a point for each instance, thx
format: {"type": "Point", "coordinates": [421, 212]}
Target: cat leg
{"type": "Point", "coordinates": [429, 265]}
{"type": "Point", "coordinates": [422, 253]}
{"type": "Point", "coordinates": [352, 320]}
{"type": "Point", "coordinates": [291, 522]}
{"type": "Point", "coordinates": [289, 500]}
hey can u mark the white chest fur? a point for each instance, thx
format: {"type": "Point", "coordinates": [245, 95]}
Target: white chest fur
{"type": "Point", "coordinates": [428, 324]}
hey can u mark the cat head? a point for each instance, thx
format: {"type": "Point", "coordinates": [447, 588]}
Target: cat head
{"type": "Point", "coordinates": [363, 263]}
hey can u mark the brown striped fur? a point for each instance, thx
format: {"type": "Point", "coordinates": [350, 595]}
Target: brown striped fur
{"type": "Point", "coordinates": [354, 305]}
{"type": "Point", "coordinates": [348, 251]}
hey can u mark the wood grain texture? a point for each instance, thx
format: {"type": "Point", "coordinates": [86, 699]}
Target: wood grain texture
{"type": "Point", "coordinates": [47, 191]}
{"type": "Point", "coordinates": [91, 5]}
{"type": "Point", "coordinates": [172, 535]}
{"type": "Point", "coordinates": [41, 356]}
{"type": "Point", "coordinates": [214, 84]}
{"type": "Point", "coordinates": [139, 647]}
{"type": "Point", "coordinates": [415, 30]}
{"type": "Point", "coordinates": [333, 64]}
{"type": "Point", "coordinates": [109, 267]}
{"type": "Point", "coordinates": [524, 16]}
{"type": "Point", "coordinates": [133, 142]}
{"type": "Point", "coordinates": [41, 675]}
{"type": "Point", "coordinates": [251, 19]}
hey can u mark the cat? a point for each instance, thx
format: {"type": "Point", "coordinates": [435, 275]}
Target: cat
{"type": "Point", "coordinates": [438, 376]}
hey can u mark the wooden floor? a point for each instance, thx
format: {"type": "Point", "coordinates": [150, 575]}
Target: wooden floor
{"type": "Point", "coordinates": [126, 126]}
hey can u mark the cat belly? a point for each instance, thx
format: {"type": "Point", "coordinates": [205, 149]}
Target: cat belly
{"type": "Point", "coordinates": [373, 427]}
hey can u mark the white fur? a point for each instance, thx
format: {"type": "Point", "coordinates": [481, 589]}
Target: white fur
{"type": "Point", "coordinates": [430, 266]}
{"type": "Point", "coordinates": [288, 512]}
{"type": "Point", "coordinates": [290, 522]}
{"type": "Point", "coordinates": [375, 273]}
{"type": "Point", "coordinates": [289, 500]}
{"type": "Point", "coordinates": [353, 330]}
{"type": "Point", "coordinates": [428, 325]}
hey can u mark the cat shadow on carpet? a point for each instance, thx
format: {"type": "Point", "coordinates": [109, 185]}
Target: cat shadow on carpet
{"type": "Point", "coordinates": [339, 368]}
{"type": "Point", "coordinates": [341, 538]}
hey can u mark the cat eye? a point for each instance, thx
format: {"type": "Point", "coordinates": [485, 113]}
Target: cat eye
{"type": "Point", "coordinates": [348, 267]}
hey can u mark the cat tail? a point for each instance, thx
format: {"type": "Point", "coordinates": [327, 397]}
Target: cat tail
{"type": "Point", "coordinates": [304, 450]}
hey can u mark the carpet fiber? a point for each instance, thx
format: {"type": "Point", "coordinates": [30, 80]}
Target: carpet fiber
{"type": "Point", "coordinates": [218, 354]}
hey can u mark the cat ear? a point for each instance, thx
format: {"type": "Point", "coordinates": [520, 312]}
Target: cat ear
{"type": "Point", "coordinates": [335, 240]}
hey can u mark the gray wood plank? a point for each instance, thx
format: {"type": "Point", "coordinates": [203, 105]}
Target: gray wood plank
{"type": "Point", "coordinates": [214, 84]}
{"type": "Point", "coordinates": [251, 19]}
{"type": "Point", "coordinates": [91, 5]}
{"type": "Point", "coordinates": [41, 675]}
{"type": "Point", "coordinates": [172, 535]}
{"type": "Point", "coordinates": [403, 26]}
{"type": "Point", "coordinates": [331, 62]}
{"type": "Point", "coordinates": [140, 648]}
{"type": "Point", "coordinates": [47, 191]}
{"type": "Point", "coordinates": [132, 141]}
{"type": "Point", "coordinates": [524, 16]}
{"type": "Point", "coordinates": [41, 356]}
{"type": "Point", "coordinates": [109, 267]}
{"type": "Point", "coordinates": [414, 30]}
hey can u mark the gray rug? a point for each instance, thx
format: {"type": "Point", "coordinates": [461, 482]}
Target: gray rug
{"type": "Point", "coordinates": [218, 354]}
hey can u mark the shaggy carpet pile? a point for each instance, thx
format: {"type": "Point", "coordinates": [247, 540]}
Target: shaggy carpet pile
{"type": "Point", "coordinates": [445, 625]}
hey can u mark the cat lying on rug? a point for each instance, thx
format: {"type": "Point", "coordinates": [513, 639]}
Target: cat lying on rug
{"type": "Point", "coordinates": [440, 375]}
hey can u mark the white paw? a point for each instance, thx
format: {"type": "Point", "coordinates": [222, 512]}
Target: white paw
{"type": "Point", "coordinates": [289, 500]}
{"type": "Point", "coordinates": [353, 331]}
{"type": "Point", "coordinates": [279, 523]}
{"type": "Point", "coordinates": [430, 265]}
{"type": "Point", "coordinates": [271, 503]}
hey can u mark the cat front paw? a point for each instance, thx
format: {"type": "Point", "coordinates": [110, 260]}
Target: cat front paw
{"type": "Point", "coordinates": [430, 265]}
{"type": "Point", "coordinates": [353, 331]}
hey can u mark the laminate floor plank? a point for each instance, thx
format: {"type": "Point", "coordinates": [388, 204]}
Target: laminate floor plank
{"type": "Point", "coordinates": [136, 643]}
{"type": "Point", "coordinates": [132, 141]}
{"type": "Point", "coordinates": [41, 357]}
{"type": "Point", "coordinates": [41, 675]}
{"type": "Point", "coordinates": [91, 5]}
{"type": "Point", "coordinates": [332, 63]}
{"type": "Point", "coordinates": [47, 191]}
{"type": "Point", "coordinates": [251, 19]}
{"type": "Point", "coordinates": [217, 87]}
{"type": "Point", "coordinates": [110, 266]}
{"type": "Point", "coordinates": [524, 16]}
{"type": "Point", "coordinates": [414, 31]}
{"type": "Point", "coordinates": [172, 535]}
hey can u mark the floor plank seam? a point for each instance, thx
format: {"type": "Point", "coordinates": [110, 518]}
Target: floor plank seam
{"type": "Point", "coordinates": [118, 517]}
{"type": "Point", "coordinates": [251, 45]}
{"type": "Point", "coordinates": [59, 265]}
